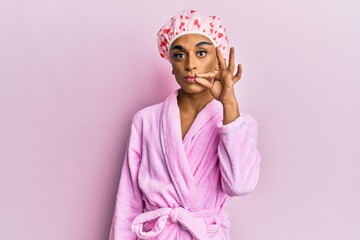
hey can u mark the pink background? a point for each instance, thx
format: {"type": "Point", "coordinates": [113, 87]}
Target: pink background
{"type": "Point", "coordinates": [72, 74]}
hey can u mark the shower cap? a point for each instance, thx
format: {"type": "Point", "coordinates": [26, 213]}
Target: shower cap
{"type": "Point", "coordinates": [191, 21]}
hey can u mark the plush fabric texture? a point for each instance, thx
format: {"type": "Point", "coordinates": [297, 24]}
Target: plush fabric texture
{"type": "Point", "coordinates": [192, 21]}
{"type": "Point", "coordinates": [174, 188]}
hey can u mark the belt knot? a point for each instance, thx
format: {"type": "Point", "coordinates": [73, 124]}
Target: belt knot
{"type": "Point", "coordinates": [174, 215]}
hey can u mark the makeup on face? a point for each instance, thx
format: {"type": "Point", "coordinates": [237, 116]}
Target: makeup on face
{"type": "Point", "coordinates": [179, 47]}
{"type": "Point", "coordinates": [179, 52]}
{"type": "Point", "coordinates": [191, 54]}
{"type": "Point", "coordinates": [190, 78]}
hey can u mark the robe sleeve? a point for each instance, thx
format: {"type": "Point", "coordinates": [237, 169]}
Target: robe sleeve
{"type": "Point", "coordinates": [238, 155]}
{"type": "Point", "coordinates": [128, 200]}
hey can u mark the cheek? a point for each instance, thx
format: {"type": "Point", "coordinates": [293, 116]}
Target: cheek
{"type": "Point", "coordinates": [210, 65]}
{"type": "Point", "coordinates": [176, 71]}
{"type": "Point", "coordinates": [176, 68]}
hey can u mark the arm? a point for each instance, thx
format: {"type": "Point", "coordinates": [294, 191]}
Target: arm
{"type": "Point", "coordinates": [239, 156]}
{"type": "Point", "coordinates": [231, 111]}
{"type": "Point", "coordinates": [128, 201]}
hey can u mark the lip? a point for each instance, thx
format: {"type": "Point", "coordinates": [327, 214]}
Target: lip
{"type": "Point", "coordinates": [190, 78]}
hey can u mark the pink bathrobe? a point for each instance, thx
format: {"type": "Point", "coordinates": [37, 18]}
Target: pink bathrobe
{"type": "Point", "coordinates": [173, 188]}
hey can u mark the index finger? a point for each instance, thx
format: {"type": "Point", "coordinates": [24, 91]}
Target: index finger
{"type": "Point", "coordinates": [206, 75]}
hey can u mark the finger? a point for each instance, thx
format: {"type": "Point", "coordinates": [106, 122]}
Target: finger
{"type": "Point", "coordinates": [238, 73]}
{"type": "Point", "coordinates": [232, 60]}
{"type": "Point", "coordinates": [204, 82]}
{"type": "Point", "coordinates": [222, 63]}
{"type": "Point", "coordinates": [209, 75]}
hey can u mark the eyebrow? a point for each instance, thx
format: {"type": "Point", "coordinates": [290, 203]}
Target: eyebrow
{"type": "Point", "coordinates": [177, 47]}
{"type": "Point", "coordinates": [203, 43]}
{"type": "Point", "coordinates": [196, 45]}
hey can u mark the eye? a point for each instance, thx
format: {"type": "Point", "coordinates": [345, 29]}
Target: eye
{"type": "Point", "coordinates": [178, 56]}
{"type": "Point", "coordinates": [201, 53]}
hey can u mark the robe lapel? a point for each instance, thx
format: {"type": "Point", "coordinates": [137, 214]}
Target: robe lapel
{"type": "Point", "coordinates": [174, 154]}
{"type": "Point", "coordinates": [209, 111]}
{"type": "Point", "coordinates": [173, 148]}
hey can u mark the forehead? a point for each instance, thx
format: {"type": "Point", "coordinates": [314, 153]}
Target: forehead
{"type": "Point", "coordinates": [190, 40]}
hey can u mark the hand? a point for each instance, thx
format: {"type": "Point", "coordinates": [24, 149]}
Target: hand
{"type": "Point", "coordinates": [221, 83]}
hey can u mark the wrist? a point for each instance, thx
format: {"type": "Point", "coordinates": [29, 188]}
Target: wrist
{"type": "Point", "coordinates": [231, 111]}
{"type": "Point", "coordinates": [231, 102]}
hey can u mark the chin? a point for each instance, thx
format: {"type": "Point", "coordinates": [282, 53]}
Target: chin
{"type": "Point", "coordinates": [193, 88]}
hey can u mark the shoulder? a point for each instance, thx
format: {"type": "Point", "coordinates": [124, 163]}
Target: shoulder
{"type": "Point", "coordinates": [148, 112]}
{"type": "Point", "coordinates": [154, 111]}
{"type": "Point", "coordinates": [147, 117]}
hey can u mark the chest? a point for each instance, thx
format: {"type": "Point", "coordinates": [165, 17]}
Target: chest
{"type": "Point", "coordinates": [186, 120]}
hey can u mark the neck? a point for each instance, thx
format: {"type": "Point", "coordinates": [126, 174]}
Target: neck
{"type": "Point", "coordinates": [193, 102]}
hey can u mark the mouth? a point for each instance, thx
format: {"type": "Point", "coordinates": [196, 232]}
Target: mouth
{"type": "Point", "coordinates": [190, 78]}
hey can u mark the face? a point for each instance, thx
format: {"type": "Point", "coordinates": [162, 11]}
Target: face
{"type": "Point", "coordinates": [191, 54]}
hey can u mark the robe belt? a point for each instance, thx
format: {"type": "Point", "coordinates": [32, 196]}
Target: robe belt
{"type": "Point", "coordinates": [193, 222]}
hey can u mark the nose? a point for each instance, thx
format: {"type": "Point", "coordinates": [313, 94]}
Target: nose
{"type": "Point", "coordinates": [190, 63]}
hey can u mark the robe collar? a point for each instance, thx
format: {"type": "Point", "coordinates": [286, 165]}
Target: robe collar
{"type": "Point", "coordinates": [173, 147]}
